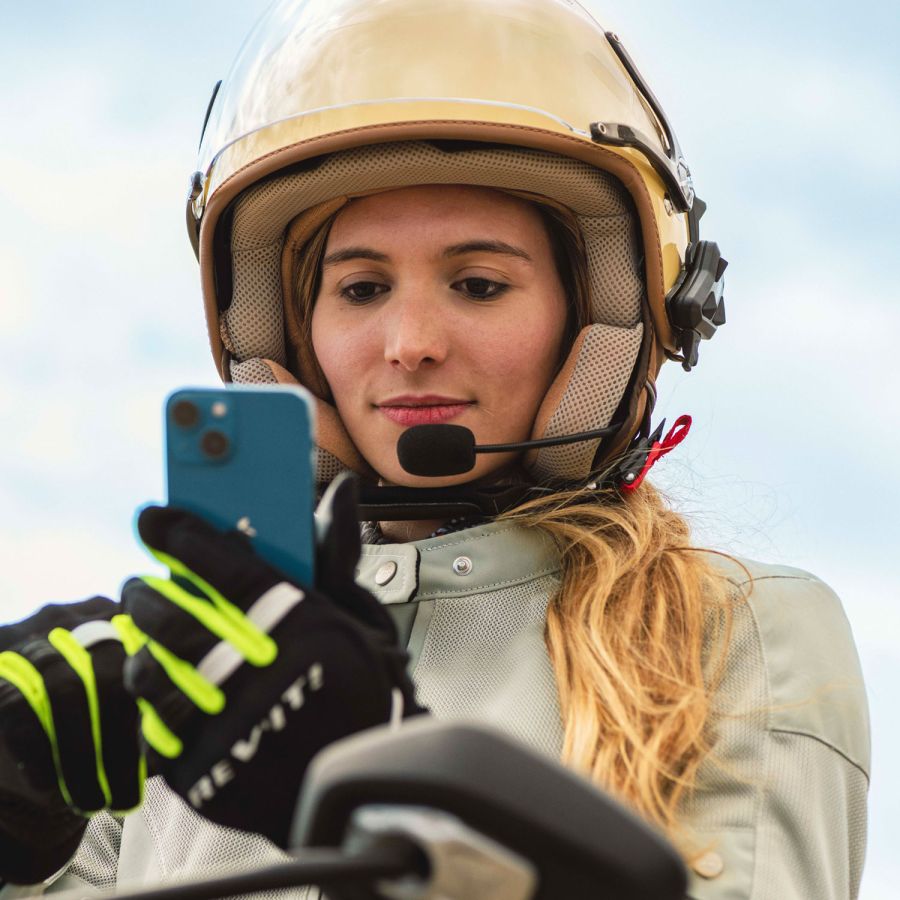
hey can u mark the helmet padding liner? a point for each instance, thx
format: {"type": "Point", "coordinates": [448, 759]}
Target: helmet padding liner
{"type": "Point", "coordinates": [593, 380]}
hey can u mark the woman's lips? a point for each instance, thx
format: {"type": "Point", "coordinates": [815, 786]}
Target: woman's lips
{"type": "Point", "coordinates": [429, 410]}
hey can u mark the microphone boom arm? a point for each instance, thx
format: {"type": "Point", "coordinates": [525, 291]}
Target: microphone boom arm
{"type": "Point", "coordinates": [547, 442]}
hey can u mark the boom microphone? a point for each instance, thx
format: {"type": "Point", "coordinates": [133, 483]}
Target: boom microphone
{"type": "Point", "coordinates": [434, 451]}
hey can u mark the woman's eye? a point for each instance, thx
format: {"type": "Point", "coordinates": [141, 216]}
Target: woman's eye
{"type": "Point", "coordinates": [363, 291]}
{"type": "Point", "coordinates": [481, 288]}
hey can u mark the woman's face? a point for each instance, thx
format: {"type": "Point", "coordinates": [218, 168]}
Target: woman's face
{"type": "Point", "coordinates": [438, 304]}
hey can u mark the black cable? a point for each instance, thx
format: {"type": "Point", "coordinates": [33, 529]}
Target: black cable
{"type": "Point", "coordinates": [548, 442]}
{"type": "Point", "coordinates": [316, 867]}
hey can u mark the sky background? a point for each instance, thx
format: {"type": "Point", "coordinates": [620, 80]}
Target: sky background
{"type": "Point", "coordinates": [789, 118]}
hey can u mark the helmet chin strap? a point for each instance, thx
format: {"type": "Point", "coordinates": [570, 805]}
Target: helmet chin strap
{"type": "Point", "coordinates": [379, 503]}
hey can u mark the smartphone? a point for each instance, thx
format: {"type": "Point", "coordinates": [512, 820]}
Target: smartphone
{"type": "Point", "coordinates": [243, 457]}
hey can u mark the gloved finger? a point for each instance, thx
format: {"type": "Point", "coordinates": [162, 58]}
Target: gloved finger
{"type": "Point", "coordinates": [55, 615]}
{"type": "Point", "coordinates": [193, 627]}
{"type": "Point", "coordinates": [70, 724]}
{"type": "Point", "coordinates": [121, 748]}
{"type": "Point", "coordinates": [163, 621]}
{"type": "Point", "coordinates": [26, 754]}
{"type": "Point", "coordinates": [193, 663]}
{"type": "Point", "coordinates": [219, 565]}
{"type": "Point", "coordinates": [145, 677]}
{"type": "Point", "coordinates": [171, 674]}
{"type": "Point", "coordinates": [97, 737]}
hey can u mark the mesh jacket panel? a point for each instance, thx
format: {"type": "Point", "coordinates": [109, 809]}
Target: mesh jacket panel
{"type": "Point", "coordinates": [484, 657]}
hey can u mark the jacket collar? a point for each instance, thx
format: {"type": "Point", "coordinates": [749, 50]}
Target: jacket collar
{"type": "Point", "coordinates": [475, 561]}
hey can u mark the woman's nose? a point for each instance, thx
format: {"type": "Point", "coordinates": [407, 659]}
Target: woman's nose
{"type": "Point", "coordinates": [413, 333]}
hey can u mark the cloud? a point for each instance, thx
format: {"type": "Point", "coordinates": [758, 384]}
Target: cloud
{"type": "Point", "coordinates": [17, 298]}
{"type": "Point", "coordinates": [64, 560]}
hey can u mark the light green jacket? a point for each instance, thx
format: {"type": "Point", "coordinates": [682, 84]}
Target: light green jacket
{"type": "Point", "coordinates": [781, 808]}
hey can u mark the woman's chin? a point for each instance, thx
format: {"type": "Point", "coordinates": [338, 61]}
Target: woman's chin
{"type": "Point", "coordinates": [421, 481]}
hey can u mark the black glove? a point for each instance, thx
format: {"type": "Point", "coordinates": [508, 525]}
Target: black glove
{"type": "Point", "coordinates": [69, 742]}
{"type": "Point", "coordinates": [244, 676]}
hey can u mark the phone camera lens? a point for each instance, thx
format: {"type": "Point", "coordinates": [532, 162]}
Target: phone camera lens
{"type": "Point", "coordinates": [185, 414]}
{"type": "Point", "coordinates": [214, 444]}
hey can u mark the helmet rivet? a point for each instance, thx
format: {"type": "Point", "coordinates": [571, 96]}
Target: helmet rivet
{"type": "Point", "coordinates": [667, 203]}
{"type": "Point", "coordinates": [630, 477]}
{"type": "Point", "coordinates": [462, 565]}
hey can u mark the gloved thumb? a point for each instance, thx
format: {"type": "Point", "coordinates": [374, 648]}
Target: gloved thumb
{"type": "Point", "coordinates": [337, 531]}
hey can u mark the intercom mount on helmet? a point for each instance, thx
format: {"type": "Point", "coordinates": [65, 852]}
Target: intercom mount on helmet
{"type": "Point", "coordinates": [580, 104]}
{"type": "Point", "coordinates": [696, 305]}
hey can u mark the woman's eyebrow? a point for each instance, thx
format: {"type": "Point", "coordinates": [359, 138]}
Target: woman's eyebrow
{"type": "Point", "coordinates": [486, 247]}
{"type": "Point", "coordinates": [347, 253]}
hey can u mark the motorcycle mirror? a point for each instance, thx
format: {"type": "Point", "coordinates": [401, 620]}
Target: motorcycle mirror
{"type": "Point", "coordinates": [486, 812]}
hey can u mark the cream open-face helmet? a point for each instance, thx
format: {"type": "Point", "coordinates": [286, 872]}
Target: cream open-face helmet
{"type": "Point", "coordinates": [331, 99]}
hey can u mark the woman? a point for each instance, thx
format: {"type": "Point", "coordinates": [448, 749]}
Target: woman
{"type": "Point", "coordinates": [520, 264]}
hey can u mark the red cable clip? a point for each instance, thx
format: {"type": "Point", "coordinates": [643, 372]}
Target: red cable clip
{"type": "Point", "coordinates": [677, 433]}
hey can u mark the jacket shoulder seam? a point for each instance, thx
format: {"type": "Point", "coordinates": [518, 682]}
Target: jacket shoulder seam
{"type": "Point", "coordinates": [776, 577]}
{"type": "Point", "coordinates": [814, 737]}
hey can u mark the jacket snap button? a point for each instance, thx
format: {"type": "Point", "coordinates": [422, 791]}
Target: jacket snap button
{"type": "Point", "coordinates": [710, 865]}
{"type": "Point", "coordinates": [462, 565]}
{"type": "Point", "coordinates": [385, 573]}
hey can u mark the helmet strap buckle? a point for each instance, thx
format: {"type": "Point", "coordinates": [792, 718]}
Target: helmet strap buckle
{"type": "Point", "coordinates": [646, 452]}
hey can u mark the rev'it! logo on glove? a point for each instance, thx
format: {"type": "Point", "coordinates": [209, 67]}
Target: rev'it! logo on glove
{"type": "Point", "coordinates": [243, 751]}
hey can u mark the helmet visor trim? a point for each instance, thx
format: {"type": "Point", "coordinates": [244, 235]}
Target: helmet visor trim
{"type": "Point", "coordinates": [398, 101]}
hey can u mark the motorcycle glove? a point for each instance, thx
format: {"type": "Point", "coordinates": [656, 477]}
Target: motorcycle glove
{"type": "Point", "coordinates": [243, 676]}
{"type": "Point", "coordinates": [70, 743]}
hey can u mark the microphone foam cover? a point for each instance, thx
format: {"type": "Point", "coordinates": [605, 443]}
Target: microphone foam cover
{"type": "Point", "coordinates": [436, 450]}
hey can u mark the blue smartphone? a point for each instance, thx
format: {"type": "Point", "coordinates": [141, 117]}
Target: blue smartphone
{"type": "Point", "coordinates": [243, 457]}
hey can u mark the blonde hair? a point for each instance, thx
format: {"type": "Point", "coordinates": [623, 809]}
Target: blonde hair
{"type": "Point", "coordinates": [636, 634]}
{"type": "Point", "coordinates": [638, 628]}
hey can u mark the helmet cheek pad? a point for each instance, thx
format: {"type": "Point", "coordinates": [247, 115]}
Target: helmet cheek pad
{"type": "Point", "coordinates": [592, 382]}
{"type": "Point", "coordinates": [584, 396]}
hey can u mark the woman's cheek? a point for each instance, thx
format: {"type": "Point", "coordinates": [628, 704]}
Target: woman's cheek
{"type": "Point", "coordinates": [525, 351]}
{"type": "Point", "coordinates": [338, 348]}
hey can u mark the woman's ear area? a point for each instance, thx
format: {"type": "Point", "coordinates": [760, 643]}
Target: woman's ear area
{"type": "Point", "coordinates": [304, 247]}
